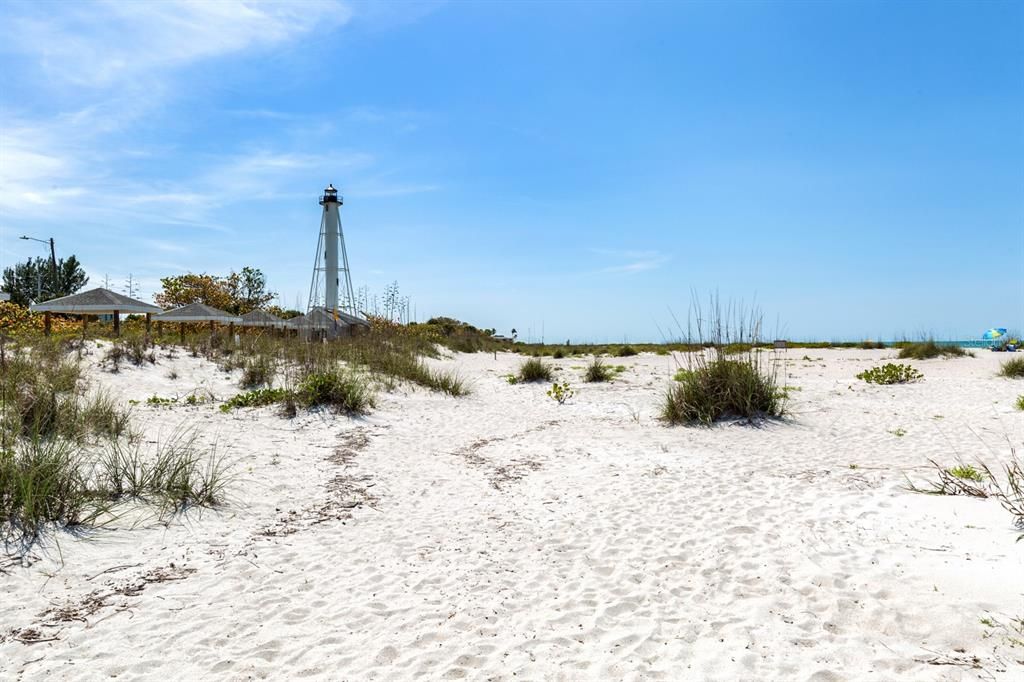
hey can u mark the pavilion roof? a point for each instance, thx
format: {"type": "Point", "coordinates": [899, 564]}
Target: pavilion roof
{"type": "Point", "coordinates": [97, 301]}
{"type": "Point", "coordinates": [197, 312]}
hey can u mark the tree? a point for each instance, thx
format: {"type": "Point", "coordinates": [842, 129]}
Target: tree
{"type": "Point", "coordinates": [248, 290]}
{"type": "Point", "coordinates": [35, 280]}
{"type": "Point", "coordinates": [238, 293]}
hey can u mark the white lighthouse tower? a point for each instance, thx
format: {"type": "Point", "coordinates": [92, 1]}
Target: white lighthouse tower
{"type": "Point", "coordinates": [331, 288]}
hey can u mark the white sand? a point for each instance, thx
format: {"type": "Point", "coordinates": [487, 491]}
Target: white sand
{"type": "Point", "coordinates": [502, 536]}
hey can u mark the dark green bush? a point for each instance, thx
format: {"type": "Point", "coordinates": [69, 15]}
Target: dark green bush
{"type": "Point", "coordinates": [722, 389]}
{"type": "Point", "coordinates": [625, 351]}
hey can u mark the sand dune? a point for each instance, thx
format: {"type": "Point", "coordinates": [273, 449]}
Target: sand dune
{"type": "Point", "coordinates": [502, 536]}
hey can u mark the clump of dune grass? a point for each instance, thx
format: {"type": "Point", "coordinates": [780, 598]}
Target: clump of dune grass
{"type": "Point", "coordinates": [926, 350]}
{"type": "Point", "coordinates": [1005, 483]}
{"type": "Point", "coordinates": [534, 370]}
{"type": "Point", "coordinates": [44, 482]}
{"type": "Point", "coordinates": [1020, 402]}
{"type": "Point", "coordinates": [257, 370]}
{"type": "Point", "coordinates": [728, 378]}
{"type": "Point", "coordinates": [722, 389]}
{"type": "Point", "coordinates": [625, 351]}
{"type": "Point", "coordinates": [1012, 369]}
{"type": "Point", "coordinates": [338, 388]}
{"type": "Point", "coordinates": [178, 473]}
{"type": "Point", "coordinates": [597, 371]}
{"type": "Point", "coordinates": [558, 354]}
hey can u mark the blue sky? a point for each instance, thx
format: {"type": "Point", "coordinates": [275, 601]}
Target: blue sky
{"type": "Point", "coordinates": [581, 168]}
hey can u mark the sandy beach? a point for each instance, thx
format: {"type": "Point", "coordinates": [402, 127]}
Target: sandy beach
{"type": "Point", "coordinates": [502, 536]}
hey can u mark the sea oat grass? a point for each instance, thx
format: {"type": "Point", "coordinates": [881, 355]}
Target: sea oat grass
{"type": "Point", "coordinates": [1012, 369]}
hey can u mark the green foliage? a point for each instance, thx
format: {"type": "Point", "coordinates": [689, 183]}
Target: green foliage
{"type": "Point", "coordinates": [158, 401]}
{"type": "Point", "coordinates": [560, 392]}
{"type": "Point", "coordinates": [890, 373]}
{"type": "Point", "coordinates": [558, 354]}
{"type": "Point", "coordinates": [1020, 402]}
{"type": "Point", "coordinates": [625, 351]}
{"type": "Point", "coordinates": [534, 370]}
{"type": "Point", "coordinates": [133, 349]}
{"type": "Point", "coordinates": [925, 350]}
{"type": "Point", "coordinates": [597, 371]}
{"type": "Point", "coordinates": [721, 389]}
{"type": "Point", "coordinates": [1012, 369]}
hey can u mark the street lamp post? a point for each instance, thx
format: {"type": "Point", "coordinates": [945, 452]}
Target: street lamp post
{"type": "Point", "coordinates": [53, 261]}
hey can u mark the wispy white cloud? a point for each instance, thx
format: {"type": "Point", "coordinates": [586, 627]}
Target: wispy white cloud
{"type": "Point", "coordinates": [636, 261]}
{"type": "Point", "coordinates": [104, 43]}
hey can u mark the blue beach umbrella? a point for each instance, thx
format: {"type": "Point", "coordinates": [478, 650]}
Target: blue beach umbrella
{"type": "Point", "coordinates": [994, 333]}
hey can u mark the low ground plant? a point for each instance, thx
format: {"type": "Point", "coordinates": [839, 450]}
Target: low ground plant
{"type": "Point", "coordinates": [560, 392]}
{"type": "Point", "coordinates": [625, 351]}
{"type": "Point", "coordinates": [256, 398]}
{"type": "Point", "coordinates": [890, 373]}
{"type": "Point", "coordinates": [1020, 402]}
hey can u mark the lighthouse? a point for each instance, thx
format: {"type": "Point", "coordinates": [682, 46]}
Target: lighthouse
{"type": "Point", "coordinates": [331, 287]}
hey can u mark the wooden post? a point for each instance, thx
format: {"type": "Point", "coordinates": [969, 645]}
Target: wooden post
{"type": "Point", "coordinates": [117, 323]}
{"type": "Point", "coordinates": [211, 328]}
{"type": "Point", "coordinates": [85, 324]}
{"type": "Point", "coordinates": [181, 327]}
{"type": "Point", "coordinates": [149, 323]}
{"type": "Point", "coordinates": [160, 328]}
{"type": "Point", "coordinates": [46, 323]}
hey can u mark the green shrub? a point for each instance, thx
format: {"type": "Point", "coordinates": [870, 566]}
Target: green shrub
{"type": "Point", "coordinates": [1020, 402]}
{"type": "Point", "coordinates": [890, 373]}
{"type": "Point", "coordinates": [625, 351]}
{"type": "Point", "coordinates": [341, 389]}
{"type": "Point", "coordinates": [872, 345]}
{"type": "Point", "coordinates": [558, 354]}
{"type": "Point", "coordinates": [721, 389]}
{"type": "Point", "coordinates": [534, 370]}
{"type": "Point", "coordinates": [929, 349]}
{"type": "Point", "coordinates": [1012, 369]}
{"type": "Point", "coordinates": [597, 371]}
